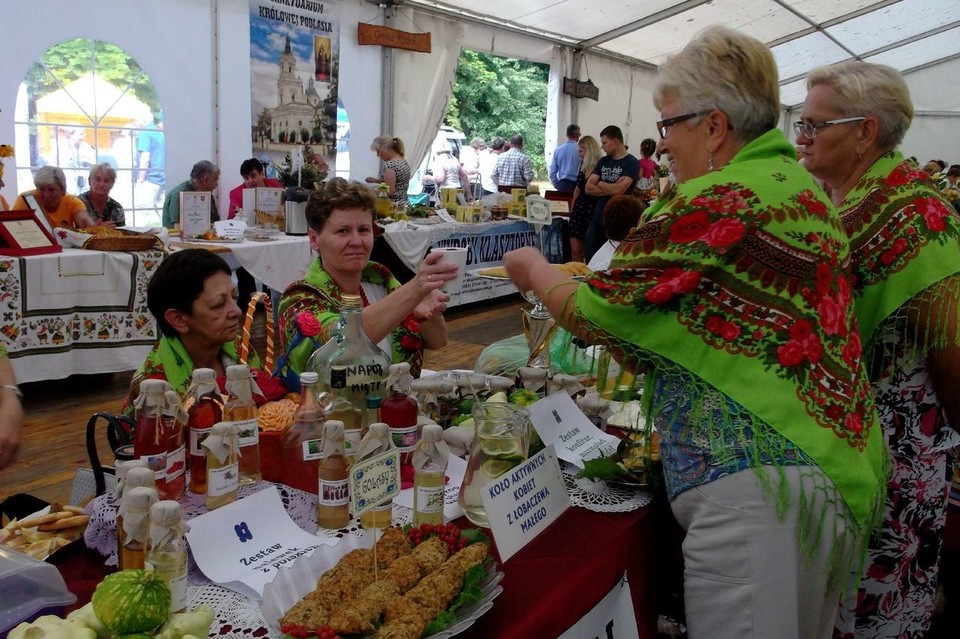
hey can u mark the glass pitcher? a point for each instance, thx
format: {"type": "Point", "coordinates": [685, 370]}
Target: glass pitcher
{"type": "Point", "coordinates": [500, 443]}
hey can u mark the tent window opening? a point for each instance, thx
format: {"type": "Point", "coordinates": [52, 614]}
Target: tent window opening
{"type": "Point", "coordinates": [85, 102]}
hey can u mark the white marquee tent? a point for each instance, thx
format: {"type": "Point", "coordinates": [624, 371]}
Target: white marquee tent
{"type": "Point", "coordinates": [197, 54]}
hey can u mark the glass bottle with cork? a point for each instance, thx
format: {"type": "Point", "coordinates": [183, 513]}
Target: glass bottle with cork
{"type": "Point", "coordinates": [176, 471]}
{"type": "Point", "coordinates": [357, 369]}
{"type": "Point", "coordinates": [135, 510]}
{"type": "Point", "coordinates": [400, 411]}
{"type": "Point", "coordinates": [166, 550]}
{"type": "Point", "coordinates": [333, 498]}
{"type": "Point", "coordinates": [376, 442]}
{"type": "Point", "coordinates": [223, 464]}
{"type": "Point", "coordinates": [241, 411]}
{"type": "Point", "coordinates": [204, 409]}
{"type": "Point", "coordinates": [135, 474]}
{"type": "Point", "coordinates": [429, 465]}
{"type": "Point", "coordinates": [303, 441]}
{"type": "Point", "coordinates": [383, 205]}
{"type": "Point", "coordinates": [154, 428]}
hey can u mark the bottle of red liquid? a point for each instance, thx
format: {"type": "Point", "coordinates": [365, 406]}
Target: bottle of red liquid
{"type": "Point", "coordinates": [176, 448]}
{"type": "Point", "coordinates": [205, 408]}
{"type": "Point", "coordinates": [399, 411]}
{"type": "Point", "coordinates": [153, 430]}
{"type": "Point", "coordinates": [303, 441]}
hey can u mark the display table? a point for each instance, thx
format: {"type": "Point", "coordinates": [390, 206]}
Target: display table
{"type": "Point", "coordinates": [547, 586]}
{"type": "Point", "coordinates": [486, 244]}
{"type": "Point", "coordinates": [277, 263]}
{"type": "Point", "coordinates": [79, 311]}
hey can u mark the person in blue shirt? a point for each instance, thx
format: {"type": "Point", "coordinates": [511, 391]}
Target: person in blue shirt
{"type": "Point", "coordinates": [151, 156]}
{"type": "Point", "coordinates": [566, 162]}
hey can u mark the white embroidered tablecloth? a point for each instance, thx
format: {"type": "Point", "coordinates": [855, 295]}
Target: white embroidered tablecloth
{"type": "Point", "coordinates": [79, 311]}
{"type": "Point", "coordinates": [277, 262]}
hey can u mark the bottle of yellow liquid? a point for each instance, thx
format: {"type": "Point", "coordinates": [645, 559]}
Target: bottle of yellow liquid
{"type": "Point", "coordinates": [429, 476]}
{"type": "Point", "coordinates": [383, 206]}
{"type": "Point", "coordinates": [166, 551]}
{"type": "Point", "coordinates": [376, 442]}
{"type": "Point", "coordinates": [242, 412]}
{"type": "Point", "coordinates": [135, 474]}
{"type": "Point", "coordinates": [135, 509]}
{"type": "Point", "coordinates": [333, 495]}
{"type": "Point", "coordinates": [223, 465]}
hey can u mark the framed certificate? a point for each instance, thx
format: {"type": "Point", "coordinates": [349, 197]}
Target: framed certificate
{"type": "Point", "coordinates": [21, 234]}
{"type": "Point", "coordinates": [31, 201]}
{"type": "Point", "coordinates": [195, 208]}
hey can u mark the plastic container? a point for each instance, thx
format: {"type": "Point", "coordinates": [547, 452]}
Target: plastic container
{"type": "Point", "coordinates": [29, 589]}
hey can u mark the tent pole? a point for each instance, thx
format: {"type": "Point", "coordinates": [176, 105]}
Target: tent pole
{"type": "Point", "coordinates": [387, 80]}
{"type": "Point", "coordinates": [574, 103]}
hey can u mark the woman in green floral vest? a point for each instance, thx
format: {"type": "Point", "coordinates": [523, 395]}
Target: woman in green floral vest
{"type": "Point", "coordinates": [731, 297]}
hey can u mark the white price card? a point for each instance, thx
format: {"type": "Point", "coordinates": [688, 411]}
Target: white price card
{"type": "Point", "coordinates": [559, 421]}
{"type": "Point", "coordinates": [230, 229]}
{"type": "Point", "coordinates": [522, 502]}
{"type": "Point", "coordinates": [538, 210]}
{"type": "Point", "coordinates": [374, 480]}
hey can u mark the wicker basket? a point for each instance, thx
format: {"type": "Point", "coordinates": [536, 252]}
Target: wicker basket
{"type": "Point", "coordinates": [128, 242]}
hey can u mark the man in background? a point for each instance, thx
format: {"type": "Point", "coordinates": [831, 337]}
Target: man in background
{"type": "Point", "coordinates": [204, 176]}
{"type": "Point", "coordinates": [488, 163]}
{"type": "Point", "coordinates": [151, 155]}
{"type": "Point", "coordinates": [513, 169]}
{"type": "Point", "coordinates": [615, 174]}
{"type": "Point", "coordinates": [565, 164]}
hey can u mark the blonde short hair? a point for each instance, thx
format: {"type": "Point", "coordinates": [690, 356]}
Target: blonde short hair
{"type": "Point", "coordinates": [725, 70]}
{"type": "Point", "coordinates": [863, 88]}
{"type": "Point", "coordinates": [388, 143]}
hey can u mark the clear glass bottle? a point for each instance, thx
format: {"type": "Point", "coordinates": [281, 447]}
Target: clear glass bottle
{"type": "Point", "coordinates": [376, 442]}
{"type": "Point", "coordinates": [333, 496]}
{"type": "Point", "coordinates": [205, 408]}
{"type": "Point", "coordinates": [303, 441]}
{"type": "Point", "coordinates": [154, 426]}
{"type": "Point", "coordinates": [176, 470]}
{"type": "Point", "coordinates": [135, 510]}
{"type": "Point", "coordinates": [241, 411]}
{"type": "Point", "coordinates": [136, 474]}
{"type": "Point", "coordinates": [357, 369]}
{"type": "Point", "coordinates": [429, 482]}
{"type": "Point", "coordinates": [223, 464]}
{"type": "Point", "coordinates": [167, 552]}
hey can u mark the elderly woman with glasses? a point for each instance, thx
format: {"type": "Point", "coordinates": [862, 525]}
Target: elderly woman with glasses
{"type": "Point", "coordinates": [732, 298]}
{"type": "Point", "coordinates": [61, 208]}
{"type": "Point", "coordinates": [101, 207]}
{"type": "Point", "coordinates": [905, 243]}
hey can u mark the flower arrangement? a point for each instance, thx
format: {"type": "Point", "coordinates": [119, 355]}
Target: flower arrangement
{"type": "Point", "coordinates": [313, 172]}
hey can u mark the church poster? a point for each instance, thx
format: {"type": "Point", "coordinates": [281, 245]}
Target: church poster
{"type": "Point", "coordinates": [294, 60]}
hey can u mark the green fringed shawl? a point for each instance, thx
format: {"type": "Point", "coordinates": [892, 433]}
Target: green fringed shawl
{"type": "Point", "coordinates": [905, 243]}
{"type": "Point", "coordinates": [738, 281]}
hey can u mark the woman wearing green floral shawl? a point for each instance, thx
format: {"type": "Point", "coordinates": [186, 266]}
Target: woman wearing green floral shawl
{"type": "Point", "coordinates": [905, 243]}
{"type": "Point", "coordinates": [403, 319]}
{"type": "Point", "coordinates": [732, 296]}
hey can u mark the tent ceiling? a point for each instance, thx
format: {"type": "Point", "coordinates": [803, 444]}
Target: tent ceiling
{"type": "Point", "coordinates": [908, 35]}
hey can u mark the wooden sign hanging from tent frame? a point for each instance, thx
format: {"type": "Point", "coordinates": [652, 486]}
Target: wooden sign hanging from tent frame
{"type": "Point", "coordinates": [393, 38]}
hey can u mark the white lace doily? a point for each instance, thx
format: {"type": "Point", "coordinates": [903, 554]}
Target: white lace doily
{"type": "Point", "coordinates": [604, 497]}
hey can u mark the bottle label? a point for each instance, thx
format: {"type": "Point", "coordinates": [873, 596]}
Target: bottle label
{"type": "Point", "coordinates": [178, 592]}
{"type": "Point", "coordinates": [405, 438]}
{"type": "Point", "coordinates": [429, 499]}
{"type": "Point", "coordinates": [222, 481]}
{"type": "Point", "coordinates": [351, 442]}
{"type": "Point", "coordinates": [334, 492]}
{"type": "Point", "coordinates": [158, 464]}
{"type": "Point", "coordinates": [312, 449]}
{"type": "Point", "coordinates": [338, 377]}
{"type": "Point", "coordinates": [197, 435]}
{"type": "Point", "coordinates": [248, 432]}
{"type": "Point", "coordinates": [176, 462]}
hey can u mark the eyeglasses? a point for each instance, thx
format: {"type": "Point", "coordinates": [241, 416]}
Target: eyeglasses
{"type": "Point", "coordinates": [809, 129]}
{"type": "Point", "coordinates": [663, 125]}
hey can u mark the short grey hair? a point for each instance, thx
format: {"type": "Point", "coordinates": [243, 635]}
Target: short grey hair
{"type": "Point", "coordinates": [104, 168]}
{"type": "Point", "coordinates": [478, 144]}
{"type": "Point", "coordinates": [866, 89]}
{"type": "Point", "coordinates": [202, 169]}
{"type": "Point", "coordinates": [725, 70]}
{"type": "Point", "coordinates": [49, 175]}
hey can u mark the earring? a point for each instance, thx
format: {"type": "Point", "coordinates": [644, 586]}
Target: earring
{"type": "Point", "coordinates": [710, 161]}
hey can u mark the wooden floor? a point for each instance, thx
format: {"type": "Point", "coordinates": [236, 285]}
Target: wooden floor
{"type": "Point", "coordinates": [57, 412]}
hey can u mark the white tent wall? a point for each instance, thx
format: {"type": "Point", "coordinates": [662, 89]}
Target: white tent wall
{"type": "Point", "coordinates": [935, 132]}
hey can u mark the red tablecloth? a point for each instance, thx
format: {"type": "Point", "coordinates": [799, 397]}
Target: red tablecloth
{"type": "Point", "coordinates": [548, 586]}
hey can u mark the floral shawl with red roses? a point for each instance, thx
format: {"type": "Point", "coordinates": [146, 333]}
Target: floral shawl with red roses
{"type": "Point", "coordinates": [738, 282]}
{"type": "Point", "coordinates": [905, 239]}
{"type": "Point", "coordinates": [310, 308]}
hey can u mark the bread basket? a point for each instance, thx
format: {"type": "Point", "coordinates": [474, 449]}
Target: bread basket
{"type": "Point", "coordinates": [126, 241]}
